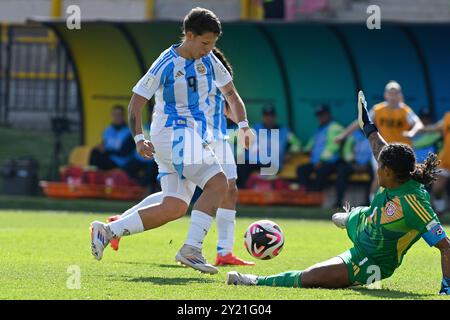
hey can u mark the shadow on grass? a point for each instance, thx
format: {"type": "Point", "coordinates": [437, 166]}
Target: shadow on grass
{"type": "Point", "coordinates": [174, 265]}
{"type": "Point", "coordinates": [164, 281]}
{"type": "Point", "coordinates": [391, 294]}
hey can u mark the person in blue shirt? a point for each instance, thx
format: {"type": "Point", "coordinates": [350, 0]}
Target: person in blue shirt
{"type": "Point", "coordinates": [288, 144]}
{"type": "Point", "coordinates": [324, 152]}
{"type": "Point", "coordinates": [357, 158]}
{"type": "Point", "coordinates": [426, 142]}
{"type": "Point", "coordinates": [117, 147]}
{"type": "Point", "coordinates": [144, 171]}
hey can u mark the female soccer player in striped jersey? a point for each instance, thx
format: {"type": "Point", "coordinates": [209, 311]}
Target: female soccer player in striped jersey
{"type": "Point", "coordinates": [181, 79]}
{"type": "Point", "coordinates": [399, 215]}
{"type": "Point", "coordinates": [226, 214]}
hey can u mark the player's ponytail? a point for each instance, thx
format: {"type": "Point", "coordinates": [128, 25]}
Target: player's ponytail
{"type": "Point", "coordinates": [219, 55]}
{"type": "Point", "coordinates": [426, 172]}
{"type": "Point", "coordinates": [402, 160]}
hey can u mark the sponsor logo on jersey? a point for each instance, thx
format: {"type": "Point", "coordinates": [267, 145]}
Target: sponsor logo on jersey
{"type": "Point", "coordinates": [391, 208]}
{"type": "Point", "coordinates": [200, 68]}
{"type": "Point", "coordinates": [179, 74]}
{"type": "Point", "coordinates": [363, 261]}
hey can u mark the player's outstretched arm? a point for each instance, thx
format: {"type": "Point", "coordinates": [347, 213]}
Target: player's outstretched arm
{"type": "Point", "coordinates": [144, 147]}
{"type": "Point", "coordinates": [444, 247]}
{"type": "Point", "coordinates": [368, 127]}
{"type": "Point", "coordinates": [347, 131]}
{"type": "Point", "coordinates": [437, 127]}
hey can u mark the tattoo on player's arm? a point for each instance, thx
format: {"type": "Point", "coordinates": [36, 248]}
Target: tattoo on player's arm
{"type": "Point", "coordinates": [229, 93]}
{"type": "Point", "coordinates": [132, 122]}
{"type": "Point", "coordinates": [377, 143]}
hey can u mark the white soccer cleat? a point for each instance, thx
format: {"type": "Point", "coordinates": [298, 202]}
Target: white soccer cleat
{"type": "Point", "coordinates": [100, 237]}
{"type": "Point", "coordinates": [191, 256]}
{"type": "Point", "coordinates": [362, 109]}
{"type": "Point", "coordinates": [239, 279]}
{"type": "Point", "coordinates": [340, 219]}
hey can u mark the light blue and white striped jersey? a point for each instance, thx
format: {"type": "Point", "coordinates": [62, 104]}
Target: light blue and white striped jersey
{"type": "Point", "coordinates": [217, 123]}
{"type": "Point", "coordinates": [182, 90]}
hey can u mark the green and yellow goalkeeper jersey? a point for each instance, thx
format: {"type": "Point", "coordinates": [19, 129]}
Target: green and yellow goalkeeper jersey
{"type": "Point", "coordinates": [395, 220]}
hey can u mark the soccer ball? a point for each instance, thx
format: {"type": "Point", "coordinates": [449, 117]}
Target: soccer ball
{"type": "Point", "coordinates": [264, 239]}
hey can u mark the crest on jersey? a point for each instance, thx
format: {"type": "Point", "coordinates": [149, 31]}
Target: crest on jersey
{"type": "Point", "coordinates": [391, 208]}
{"type": "Point", "coordinates": [201, 68]}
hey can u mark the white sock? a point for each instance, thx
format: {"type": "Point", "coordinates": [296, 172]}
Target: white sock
{"type": "Point", "coordinates": [440, 204]}
{"type": "Point", "coordinates": [131, 224]}
{"type": "Point", "coordinates": [198, 228]}
{"type": "Point", "coordinates": [154, 198]}
{"type": "Point", "coordinates": [226, 226]}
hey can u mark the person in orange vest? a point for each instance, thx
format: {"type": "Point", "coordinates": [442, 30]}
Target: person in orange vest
{"type": "Point", "coordinates": [438, 190]}
{"type": "Point", "coordinates": [395, 120]}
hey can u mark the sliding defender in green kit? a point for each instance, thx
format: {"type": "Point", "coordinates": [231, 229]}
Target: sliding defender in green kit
{"type": "Point", "coordinates": [399, 215]}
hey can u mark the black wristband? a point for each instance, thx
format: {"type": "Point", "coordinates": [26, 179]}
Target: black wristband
{"type": "Point", "coordinates": [369, 128]}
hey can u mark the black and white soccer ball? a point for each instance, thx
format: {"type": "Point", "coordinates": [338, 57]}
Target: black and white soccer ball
{"type": "Point", "coordinates": [264, 239]}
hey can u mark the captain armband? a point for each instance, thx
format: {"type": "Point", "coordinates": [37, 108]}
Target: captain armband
{"type": "Point", "coordinates": [434, 234]}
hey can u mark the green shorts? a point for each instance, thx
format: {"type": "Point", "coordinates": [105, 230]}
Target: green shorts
{"type": "Point", "coordinates": [361, 268]}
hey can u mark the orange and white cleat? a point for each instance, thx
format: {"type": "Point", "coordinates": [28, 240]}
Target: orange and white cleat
{"type": "Point", "coordinates": [231, 260]}
{"type": "Point", "coordinates": [114, 241]}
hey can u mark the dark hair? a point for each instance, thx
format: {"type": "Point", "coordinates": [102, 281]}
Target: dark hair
{"type": "Point", "coordinates": [402, 160]}
{"type": "Point", "coordinates": [200, 21]}
{"type": "Point", "coordinates": [219, 55]}
{"type": "Point", "coordinates": [118, 107]}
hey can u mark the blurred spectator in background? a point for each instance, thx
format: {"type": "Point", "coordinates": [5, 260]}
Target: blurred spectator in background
{"type": "Point", "coordinates": [117, 147]}
{"type": "Point", "coordinates": [118, 151]}
{"type": "Point", "coordinates": [357, 158]}
{"type": "Point", "coordinates": [273, 9]}
{"type": "Point", "coordinates": [426, 142]}
{"type": "Point", "coordinates": [395, 120]}
{"type": "Point", "coordinates": [288, 145]}
{"type": "Point", "coordinates": [440, 185]}
{"type": "Point", "coordinates": [144, 171]}
{"type": "Point", "coordinates": [324, 152]}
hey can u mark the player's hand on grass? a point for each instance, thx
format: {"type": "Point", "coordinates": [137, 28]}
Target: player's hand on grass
{"type": "Point", "coordinates": [145, 149]}
{"type": "Point", "coordinates": [364, 121]}
{"type": "Point", "coordinates": [246, 137]}
{"type": "Point", "coordinates": [445, 287]}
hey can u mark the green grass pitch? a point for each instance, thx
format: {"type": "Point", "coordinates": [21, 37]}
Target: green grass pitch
{"type": "Point", "coordinates": [37, 249]}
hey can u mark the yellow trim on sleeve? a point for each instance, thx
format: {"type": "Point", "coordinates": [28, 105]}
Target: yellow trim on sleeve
{"type": "Point", "coordinates": [427, 214]}
{"type": "Point", "coordinates": [414, 208]}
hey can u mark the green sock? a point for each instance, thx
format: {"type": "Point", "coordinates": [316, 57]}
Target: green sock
{"type": "Point", "coordinates": [285, 279]}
